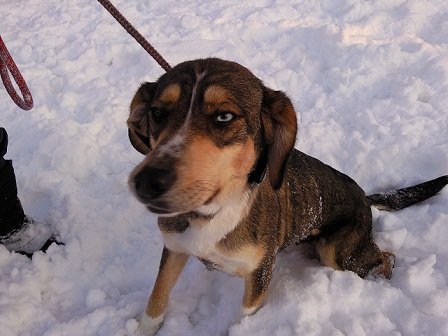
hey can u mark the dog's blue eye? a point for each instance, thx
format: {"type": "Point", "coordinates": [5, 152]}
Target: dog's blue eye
{"type": "Point", "coordinates": [157, 114]}
{"type": "Point", "coordinates": [225, 117]}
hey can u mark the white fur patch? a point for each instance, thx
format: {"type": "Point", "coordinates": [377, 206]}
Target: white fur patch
{"type": "Point", "coordinates": [239, 263]}
{"type": "Point", "coordinates": [200, 238]}
{"type": "Point", "coordinates": [174, 146]}
{"type": "Point", "coordinates": [193, 95]}
{"type": "Point", "coordinates": [148, 325]}
{"type": "Point", "coordinates": [245, 311]}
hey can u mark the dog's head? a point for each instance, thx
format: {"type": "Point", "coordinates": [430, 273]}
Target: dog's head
{"type": "Point", "coordinates": [208, 129]}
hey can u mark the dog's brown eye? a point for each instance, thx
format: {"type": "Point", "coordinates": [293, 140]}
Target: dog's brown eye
{"type": "Point", "coordinates": [157, 114]}
{"type": "Point", "coordinates": [224, 117]}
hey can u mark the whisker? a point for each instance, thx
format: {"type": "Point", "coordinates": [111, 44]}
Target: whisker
{"type": "Point", "coordinates": [131, 163]}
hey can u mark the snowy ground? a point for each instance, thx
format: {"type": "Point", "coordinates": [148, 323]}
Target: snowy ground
{"type": "Point", "coordinates": [370, 81]}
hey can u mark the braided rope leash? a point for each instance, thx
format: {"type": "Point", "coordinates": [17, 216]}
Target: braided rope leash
{"type": "Point", "coordinates": [7, 63]}
{"type": "Point", "coordinates": [135, 34]}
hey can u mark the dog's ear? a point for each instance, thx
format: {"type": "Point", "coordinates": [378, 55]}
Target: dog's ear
{"type": "Point", "coordinates": [280, 129]}
{"type": "Point", "coordinates": [138, 122]}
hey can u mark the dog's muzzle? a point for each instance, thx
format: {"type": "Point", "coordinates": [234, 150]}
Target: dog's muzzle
{"type": "Point", "coordinates": [150, 184]}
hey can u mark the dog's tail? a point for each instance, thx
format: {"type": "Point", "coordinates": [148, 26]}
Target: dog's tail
{"type": "Point", "coordinates": [402, 198]}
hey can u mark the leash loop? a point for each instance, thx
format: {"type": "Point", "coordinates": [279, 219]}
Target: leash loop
{"type": "Point", "coordinates": [7, 63]}
{"type": "Point", "coordinates": [135, 34]}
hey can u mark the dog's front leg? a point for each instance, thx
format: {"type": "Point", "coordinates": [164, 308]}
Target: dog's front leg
{"type": "Point", "coordinates": [256, 285]}
{"type": "Point", "coordinates": [171, 266]}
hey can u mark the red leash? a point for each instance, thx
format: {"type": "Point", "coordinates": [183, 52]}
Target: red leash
{"type": "Point", "coordinates": [7, 63]}
{"type": "Point", "coordinates": [135, 34]}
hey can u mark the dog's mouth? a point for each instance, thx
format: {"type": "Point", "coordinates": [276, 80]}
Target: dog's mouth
{"type": "Point", "coordinates": [158, 211]}
{"type": "Point", "coordinates": [163, 208]}
{"type": "Point", "coordinates": [212, 197]}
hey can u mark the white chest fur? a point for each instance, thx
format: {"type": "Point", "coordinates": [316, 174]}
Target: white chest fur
{"type": "Point", "coordinates": [201, 238]}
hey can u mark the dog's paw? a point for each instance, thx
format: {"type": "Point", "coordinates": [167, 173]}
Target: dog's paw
{"type": "Point", "coordinates": [149, 326]}
{"type": "Point", "coordinates": [247, 311]}
{"type": "Point", "coordinates": [384, 270]}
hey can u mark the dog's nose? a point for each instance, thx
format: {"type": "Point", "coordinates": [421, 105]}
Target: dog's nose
{"type": "Point", "coordinates": [152, 182]}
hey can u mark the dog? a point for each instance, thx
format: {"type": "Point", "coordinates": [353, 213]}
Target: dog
{"type": "Point", "coordinates": [221, 172]}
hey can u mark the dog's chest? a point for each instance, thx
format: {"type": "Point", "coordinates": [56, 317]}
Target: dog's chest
{"type": "Point", "coordinates": [201, 240]}
{"type": "Point", "coordinates": [241, 262]}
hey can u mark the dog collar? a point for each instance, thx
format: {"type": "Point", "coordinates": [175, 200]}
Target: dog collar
{"type": "Point", "coordinates": [258, 174]}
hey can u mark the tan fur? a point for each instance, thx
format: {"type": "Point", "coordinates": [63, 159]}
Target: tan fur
{"type": "Point", "coordinates": [221, 173]}
{"type": "Point", "coordinates": [169, 271]}
{"type": "Point", "coordinates": [251, 302]}
{"type": "Point", "coordinates": [217, 97]}
{"type": "Point", "coordinates": [315, 232]}
{"type": "Point", "coordinates": [327, 254]}
{"type": "Point", "coordinates": [215, 94]}
{"type": "Point", "coordinates": [245, 260]}
{"type": "Point", "coordinates": [170, 94]}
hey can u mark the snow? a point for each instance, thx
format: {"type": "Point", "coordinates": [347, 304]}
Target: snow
{"type": "Point", "coordinates": [369, 80]}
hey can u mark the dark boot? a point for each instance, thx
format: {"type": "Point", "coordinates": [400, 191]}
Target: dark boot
{"type": "Point", "coordinates": [17, 231]}
{"type": "Point", "coordinates": [11, 212]}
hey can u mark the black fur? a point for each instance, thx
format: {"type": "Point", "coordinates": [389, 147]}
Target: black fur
{"type": "Point", "coordinates": [402, 198]}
